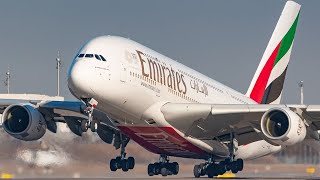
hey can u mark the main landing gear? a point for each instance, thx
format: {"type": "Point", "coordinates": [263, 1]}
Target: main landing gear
{"type": "Point", "coordinates": [163, 167]}
{"type": "Point", "coordinates": [214, 169]}
{"type": "Point", "coordinates": [121, 162]}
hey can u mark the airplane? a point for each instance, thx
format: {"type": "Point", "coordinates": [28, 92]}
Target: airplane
{"type": "Point", "coordinates": [127, 91]}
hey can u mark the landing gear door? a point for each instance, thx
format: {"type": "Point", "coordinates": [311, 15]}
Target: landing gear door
{"type": "Point", "coordinates": [123, 71]}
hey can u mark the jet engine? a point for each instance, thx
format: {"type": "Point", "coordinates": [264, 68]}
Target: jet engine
{"type": "Point", "coordinates": [283, 127]}
{"type": "Point", "coordinates": [24, 121]}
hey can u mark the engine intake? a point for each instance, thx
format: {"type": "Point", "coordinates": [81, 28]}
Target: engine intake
{"type": "Point", "coordinates": [282, 126]}
{"type": "Point", "coordinates": [24, 122]}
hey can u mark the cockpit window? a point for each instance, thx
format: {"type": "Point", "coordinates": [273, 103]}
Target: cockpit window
{"type": "Point", "coordinates": [97, 56]}
{"type": "Point", "coordinates": [102, 58]}
{"type": "Point", "coordinates": [89, 55]}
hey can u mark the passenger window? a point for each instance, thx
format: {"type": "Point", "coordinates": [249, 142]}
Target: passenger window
{"type": "Point", "coordinates": [103, 59]}
{"type": "Point", "coordinates": [97, 57]}
{"type": "Point", "coordinates": [81, 55]}
{"type": "Point", "coordinates": [89, 55]}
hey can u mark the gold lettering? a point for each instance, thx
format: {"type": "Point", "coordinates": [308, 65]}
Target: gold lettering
{"type": "Point", "coordinates": [174, 79]}
{"type": "Point", "coordinates": [142, 61]}
{"type": "Point", "coordinates": [153, 68]}
{"type": "Point", "coordinates": [178, 81]}
{"type": "Point", "coordinates": [164, 74]}
{"type": "Point", "coordinates": [157, 72]}
{"type": "Point", "coordinates": [169, 79]}
{"type": "Point", "coordinates": [184, 84]}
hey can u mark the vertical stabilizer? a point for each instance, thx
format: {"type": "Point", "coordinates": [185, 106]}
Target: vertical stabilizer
{"type": "Point", "coordinates": [267, 84]}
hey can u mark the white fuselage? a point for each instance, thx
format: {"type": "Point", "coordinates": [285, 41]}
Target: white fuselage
{"type": "Point", "coordinates": [135, 81]}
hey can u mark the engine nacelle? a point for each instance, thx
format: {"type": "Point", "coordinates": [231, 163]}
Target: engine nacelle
{"type": "Point", "coordinates": [24, 121]}
{"type": "Point", "coordinates": [282, 126]}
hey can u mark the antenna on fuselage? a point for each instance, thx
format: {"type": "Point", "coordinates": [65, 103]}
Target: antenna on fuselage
{"type": "Point", "coordinates": [7, 81]}
{"type": "Point", "coordinates": [58, 73]}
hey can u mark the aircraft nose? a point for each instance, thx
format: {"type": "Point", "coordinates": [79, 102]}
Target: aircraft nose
{"type": "Point", "coordinates": [79, 79]}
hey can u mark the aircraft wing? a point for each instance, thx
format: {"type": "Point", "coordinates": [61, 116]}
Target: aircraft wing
{"type": "Point", "coordinates": [4, 103]}
{"type": "Point", "coordinates": [207, 121]}
{"type": "Point", "coordinates": [69, 112]}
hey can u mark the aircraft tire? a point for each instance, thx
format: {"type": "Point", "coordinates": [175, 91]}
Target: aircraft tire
{"type": "Point", "coordinates": [93, 126]}
{"type": "Point", "coordinates": [131, 162]}
{"type": "Point", "coordinates": [234, 171]}
{"type": "Point", "coordinates": [239, 163]}
{"type": "Point", "coordinates": [212, 170]}
{"type": "Point", "coordinates": [164, 171]}
{"type": "Point", "coordinates": [84, 125]}
{"type": "Point", "coordinates": [203, 170]}
{"type": "Point", "coordinates": [113, 165]}
{"type": "Point", "coordinates": [124, 165]}
{"type": "Point", "coordinates": [175, 168]}
{"type": "Point", "coordinates": [221, 169]}
{"type": "Point", "coordinates": [157, 168]}
{"type": "Point", "coordinates": [151, 169]}
{"type": "Point", "coordinates": [197, 171]}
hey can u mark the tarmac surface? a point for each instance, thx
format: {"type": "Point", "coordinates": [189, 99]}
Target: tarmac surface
{"type": "Point", "coordinates": [182, 178]}
{"type": "Point", "coordinates": [252, 171]}
{"type": "Point", "coordinates": [66, 157]}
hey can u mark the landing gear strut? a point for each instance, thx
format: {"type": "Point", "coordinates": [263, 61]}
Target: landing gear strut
{"type": "Point", "coordinates": [90, 122]}
{"type": "Point", "coordinates": [121, 162]}
{"type": "Point", "coordinates": [163, 167]}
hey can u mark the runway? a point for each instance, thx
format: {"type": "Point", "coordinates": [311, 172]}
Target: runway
{"type": "Point", "coordinates": [254, 171]}
{"type": "Point", "coordinates": [177, 178]}
{"type": "Point", "coordinates": [183, 176]}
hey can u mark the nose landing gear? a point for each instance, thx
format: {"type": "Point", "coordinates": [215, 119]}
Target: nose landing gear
{"type": "Point", "coordinates": [90, 122]}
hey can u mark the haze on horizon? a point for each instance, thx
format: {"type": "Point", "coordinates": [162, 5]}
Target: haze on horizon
{"type": "Point", "coordinates": [222, 39]}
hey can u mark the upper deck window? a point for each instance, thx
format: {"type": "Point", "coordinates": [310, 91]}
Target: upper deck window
{"type": "Point", "coordinates": [81, 55]}
{"type": "Point", "coordinates": [89, 55]}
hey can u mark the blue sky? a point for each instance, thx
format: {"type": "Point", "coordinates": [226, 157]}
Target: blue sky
{"type": "Point", "coordinates": [223, 39]}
